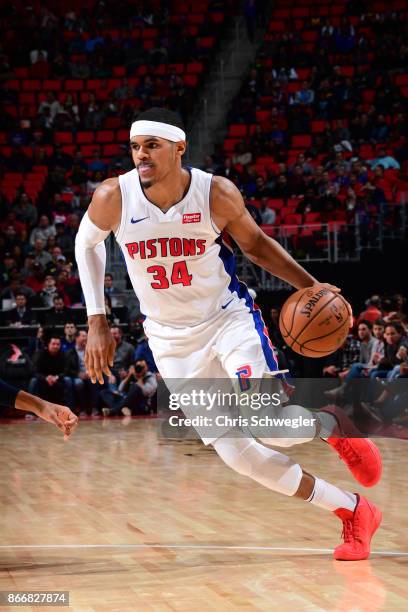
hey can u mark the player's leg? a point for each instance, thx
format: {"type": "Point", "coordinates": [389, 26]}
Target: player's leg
{"type": "Point", "coordinates": [281, 474]}
{"type": "Point", "coordinates": [243, 344]}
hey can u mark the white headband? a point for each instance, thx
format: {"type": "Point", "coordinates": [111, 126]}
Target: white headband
{"type": "Point", "coordinates": [156, 128]}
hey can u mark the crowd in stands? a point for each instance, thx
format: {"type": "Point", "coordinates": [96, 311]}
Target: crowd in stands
{"type": "Point", "coordinates": [318, 130]}
{"type": "Point", "coordinates": [375, 352]}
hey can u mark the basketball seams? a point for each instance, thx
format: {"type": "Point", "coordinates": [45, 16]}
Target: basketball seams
{"type": "Point", "coordinates": [325, 335]}
{"type": "Point", "coordinates": [295, 308]}
{"type": "Point", "coordinates": [282, 324]}
{"type": "Point", "coordinates": [314, 316]}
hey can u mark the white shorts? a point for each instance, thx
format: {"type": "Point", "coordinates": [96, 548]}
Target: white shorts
{"type": "Point", "coordinates": [234, 343]}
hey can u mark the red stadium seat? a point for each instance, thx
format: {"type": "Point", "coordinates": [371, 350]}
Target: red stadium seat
{"type": "Point", "coordinates": [293, 219]}
{"type": "Point", "coordinates": [238, 130]}
{"type": "Point", "coordinates": [312, 217]}
{"type": "Point", "coordinates": [74, 85]}
{"type": "Point", "coordinates": [276, 203]}
{"type": "Point", "coordinates": [106, 136]}
{"type": "Point", "coordinates": [301, 141]}
{"type": "Point", "coordinates": [31, 85]}
{"type": "Point", "coordinates": [109, 150]}
{"type": "Point", "coordinates": [190, 79]}
{"type": "Point", "coordinates": [63, 138]}
{"type": "Point", "coordinates": [85, 137]}
{"type": "Point", "coordinates": [318, 126]}
{"type": "Point", "coordinates": [119, 71]}
{"type": "Point", "coordinates": [194, 67]}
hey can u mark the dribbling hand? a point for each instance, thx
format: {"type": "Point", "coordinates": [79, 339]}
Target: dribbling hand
{"type": "Point", "coordinates": [338, 290]}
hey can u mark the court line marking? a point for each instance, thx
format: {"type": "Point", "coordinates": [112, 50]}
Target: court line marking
{"type": "Point", "coordinates": [388, 553]}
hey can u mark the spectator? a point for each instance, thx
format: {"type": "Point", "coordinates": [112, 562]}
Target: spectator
{"type": "Point", "coordinates": [143, 351]}
{"type": "Point", "coordinates": [268, 215]}
{"type": "Point", "coordinates": [24, 210]}
{"type": "Point", "coordinates": [372, 312]}
{"type": "Point", "coordinates": [112, 291]}
{"type": "Point", "coordinates": [10, 292]}
{"type": "Point", "coordinates": [281, 189]}
{"type": "Point", "coordinates": [338, 364]}
{"type": "Point", "coordinates": [58, 314]}
{"type": "Point", "coordinates": [49, 291]}
{"type": "Point", "coordinates": [63, 239]}
{"type": "Point", "coordinates": [37, 344]}
{"type": "Point", "coordinates": [135, 392]}
{"type": "Point", "coordinates": [242, 155]}
{"type": "Point", "coordinates": [7, 267]}
{"type": "Point", "coordinates": [21, 315]}
{"type": "Point", "coordinates": [305, 96]}
{"type": "Point", "coordinates": [362, 366]}
{"type": "Point", "coordinates": [262, 190]}
{"type": "Point", "coordinates": [41, 255]}
{"type": "Point", "coordinates": [84, 394]}
{"type": "Point", "coordinates": [49, 369]}
{"type": "Point", "coordinates": [254, 212]}
{"type": "Point", "coordinates": [43, 231]}
{"type": "Point", "coordinates": [123, 358]}
{"type": "Point", "coordinates": [70, 333]}
{"type": "Point", "coordinates": [54, 266]}
{"type": "Point", "coordinates": [395, 338]}
{"type": "Point", "coordinates": [385, 160]}
{"type": "Point", "coordinates": [35, 280]}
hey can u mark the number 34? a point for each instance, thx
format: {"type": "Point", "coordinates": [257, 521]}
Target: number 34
{"type": "Point", "coordinates": [179, 276]}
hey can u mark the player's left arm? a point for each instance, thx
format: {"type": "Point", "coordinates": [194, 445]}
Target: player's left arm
{"type": "Point", "coordinates": [61, 416]}
{"type": "Point", "coordinates": [229, 213]}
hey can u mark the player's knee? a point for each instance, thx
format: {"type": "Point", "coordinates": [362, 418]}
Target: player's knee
{"type": "Point", "coordinates": [232, 452]}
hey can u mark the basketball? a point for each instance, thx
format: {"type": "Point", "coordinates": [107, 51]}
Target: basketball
{"type": "Point", "coordinates": [315, 321]}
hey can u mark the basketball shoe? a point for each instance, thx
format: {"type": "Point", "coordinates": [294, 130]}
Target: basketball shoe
{"type": "Point", "coordinates": [361, 455]}
{"type": "Point", "coordinates": [358, 529]}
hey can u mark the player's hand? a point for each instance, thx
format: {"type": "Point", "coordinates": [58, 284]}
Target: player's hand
{"type": "Point", "coordinates": [337, 290]}
{"type": "Point", "coordinates": [100, 349]}
{"type": "Point", "coordinates": [61, 416]}
{"type": "Point", "coordinates": [328, 286]}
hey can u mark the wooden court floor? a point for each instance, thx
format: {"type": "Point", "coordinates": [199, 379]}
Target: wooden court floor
{"type": "Point", "coordinates": [127, 521]}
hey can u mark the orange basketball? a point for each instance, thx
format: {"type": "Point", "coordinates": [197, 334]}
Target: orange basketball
{"type": "Point", "coordinates": [315, 321]}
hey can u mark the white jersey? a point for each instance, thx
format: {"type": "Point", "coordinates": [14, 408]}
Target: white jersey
{"type": "Point", "coordinates": [181, 271]}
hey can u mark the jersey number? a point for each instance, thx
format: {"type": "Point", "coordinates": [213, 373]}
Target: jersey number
{"type": "Point", "coordinates": [179, 275]}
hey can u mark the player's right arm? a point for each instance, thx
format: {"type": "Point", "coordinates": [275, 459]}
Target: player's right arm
{"type": "Point", "coordinates": [102, 217]}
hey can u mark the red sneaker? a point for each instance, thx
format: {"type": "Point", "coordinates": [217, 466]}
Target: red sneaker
{"type": "Point", "coordinates": [358, 529]}
{"type": "Point", "coordinates": [361, 455]}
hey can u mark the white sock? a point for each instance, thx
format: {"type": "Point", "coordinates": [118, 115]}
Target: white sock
{"type": "Point", "coordinates": [328, 423]}
{"type": "Point", "coordinates": [329, 497]}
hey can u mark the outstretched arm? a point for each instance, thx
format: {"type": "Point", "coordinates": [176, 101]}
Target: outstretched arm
{"type": "Point", "coordinates": [102, 217]}
{"type": "Point", "coordinates": [61, 416]}
{"type": "Point", "coordinates": [228, 212]}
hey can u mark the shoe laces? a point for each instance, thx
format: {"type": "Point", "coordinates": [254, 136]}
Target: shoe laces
{"type": "Point", "coordinates": [348, 453]}
{"type": "Point", "coordinates": [350, 531]}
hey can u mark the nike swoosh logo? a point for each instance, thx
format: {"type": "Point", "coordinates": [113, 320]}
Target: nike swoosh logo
{"type": "Point", "coordinates": [227, 304]}
{"type": "Point", "coordinates": [138, 220]}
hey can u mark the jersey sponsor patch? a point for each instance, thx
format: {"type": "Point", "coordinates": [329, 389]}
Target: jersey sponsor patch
{"type": "Point", "coordinates": [192, 218]}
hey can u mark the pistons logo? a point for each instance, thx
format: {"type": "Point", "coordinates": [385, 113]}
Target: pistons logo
{"type": "Point", "coordinates": [244, 374]}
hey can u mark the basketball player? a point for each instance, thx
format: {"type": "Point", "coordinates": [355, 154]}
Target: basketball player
{"type": "Point", "coordinates": [200, 320]}
{"type": "Point", "coordinates": [61, 416]}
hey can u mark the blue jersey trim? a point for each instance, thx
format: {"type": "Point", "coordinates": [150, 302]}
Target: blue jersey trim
{"type": "Point", "coordinates": [236, 286]}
